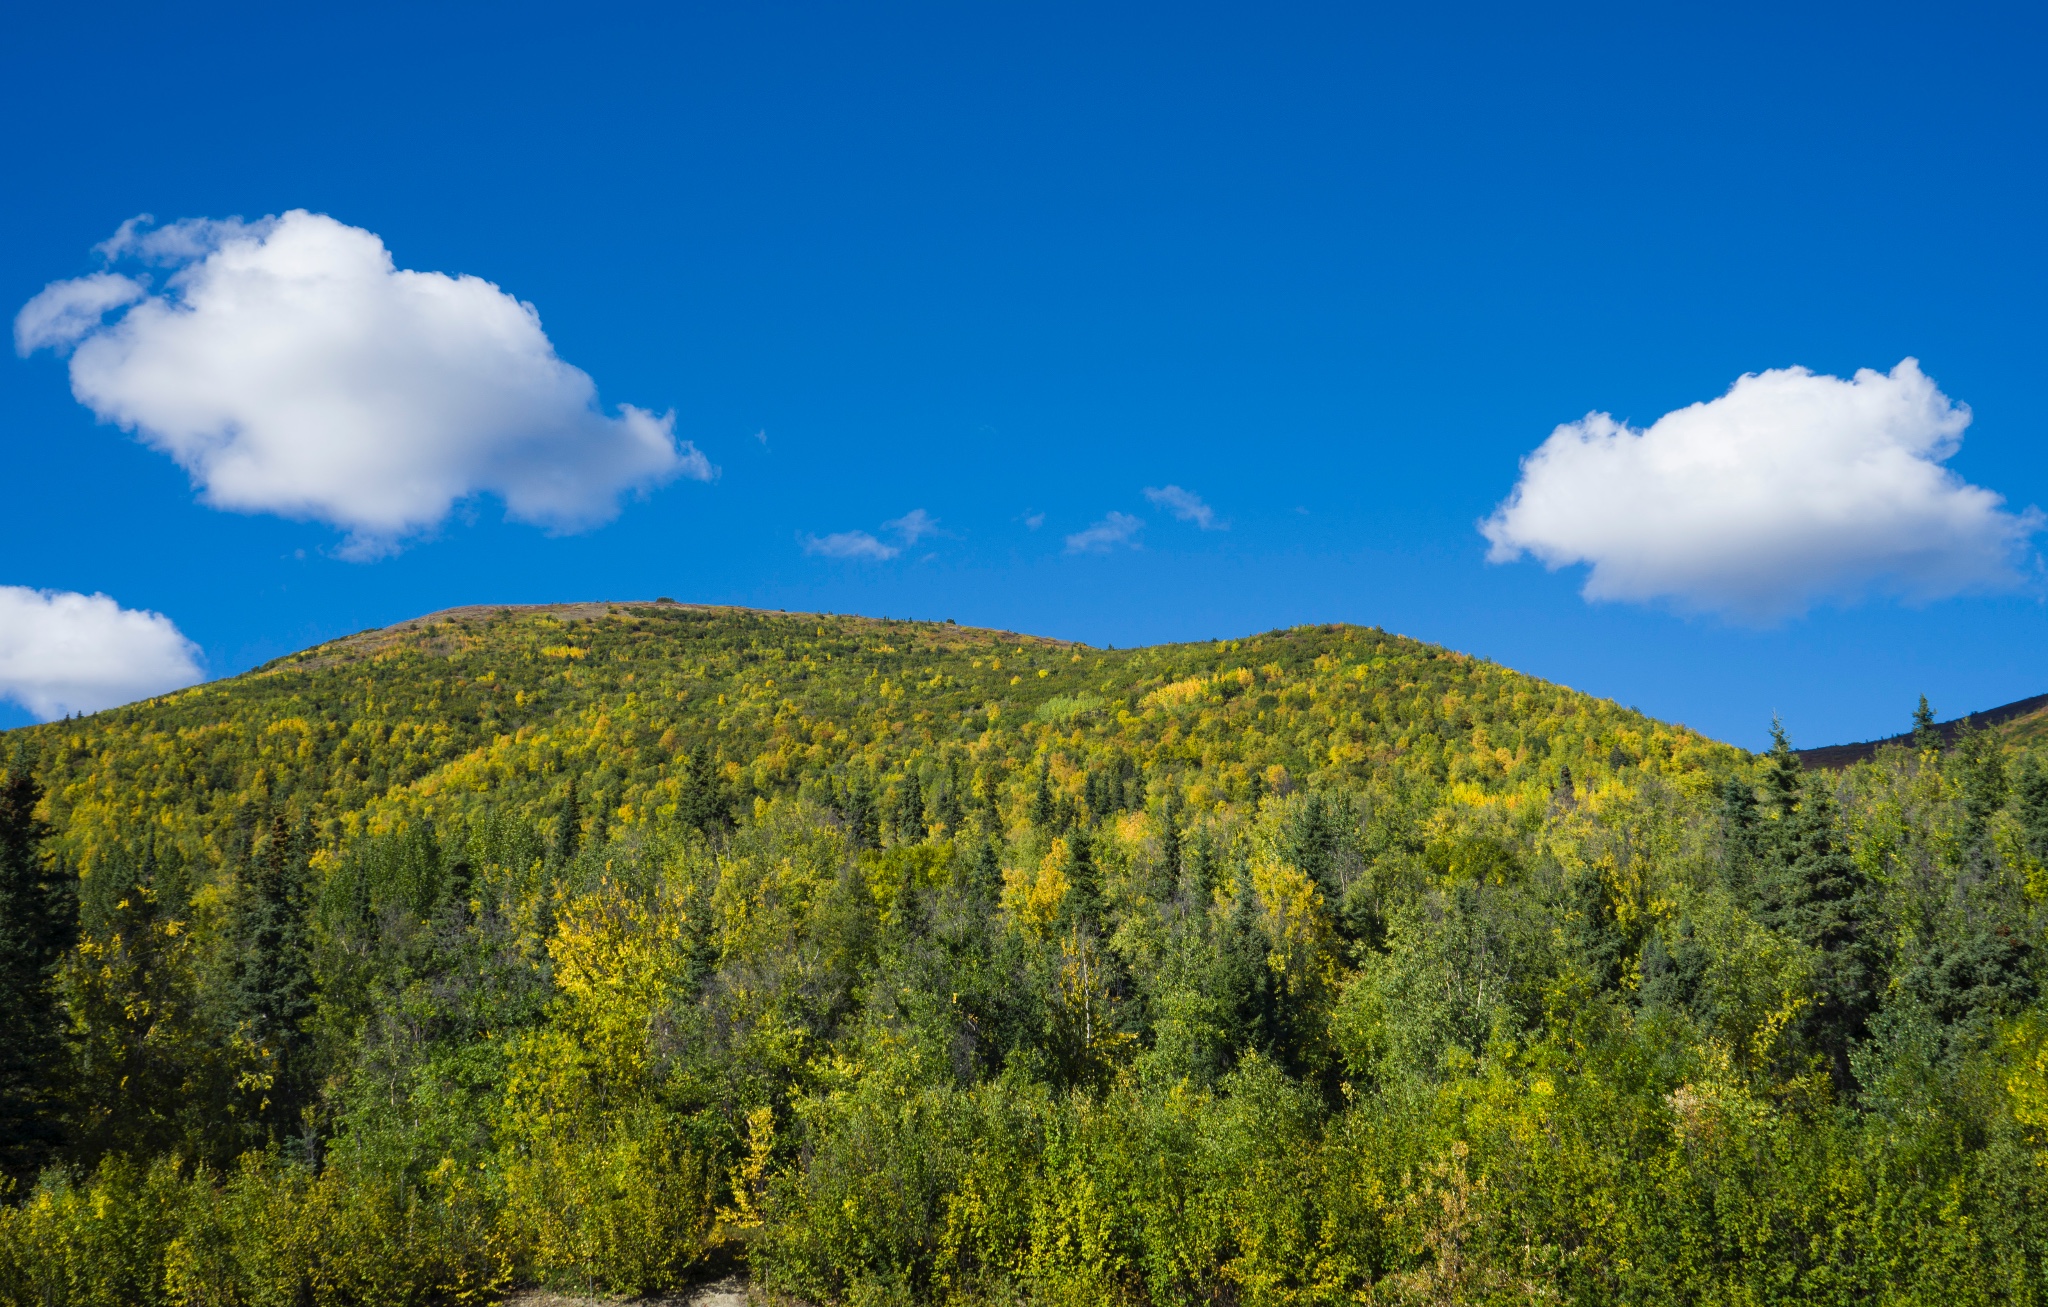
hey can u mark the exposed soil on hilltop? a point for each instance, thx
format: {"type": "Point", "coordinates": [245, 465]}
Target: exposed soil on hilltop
{"type": "Point", "coordinates": [451, 630]}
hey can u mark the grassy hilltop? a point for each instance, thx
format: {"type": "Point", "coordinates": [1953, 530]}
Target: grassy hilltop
{"type": "Point", "coordinates": [597, 944]}
{"type": "Point", "coordinates": [498, 707]}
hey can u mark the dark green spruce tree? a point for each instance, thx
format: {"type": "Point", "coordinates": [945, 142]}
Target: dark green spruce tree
{"type": "Point", "coordinates": [38, 925]}
{"type": "Point", "coordinates": [1042, 807]}
{"type": "Point", "coordinates": [273, 993]}
{"type": "Point", "coordinates": [1811, 890]}
{"type": "Point", "coordinates": [1925, 736]}
{"type": "Point", "coordinates": [1979, 765]}
{"type": "Point", "coordinates": [1975, 962]}
{"type": "Point", "coordinates": [907, 814]}
{"type": "Point", "coordinates": [1592, 929]}
{"type": "Point", "coordinates": [1169, 834]}
{"type": "Point", "coordinates": [1737, 812]}
{"type": "Point", "coordinates": [704, 807]}
{"type": "Point", "coordinates": [1313, 839]}
{"type": "Point", "coordinates": [568, 827]}
{"type": "Point", "coordinates": [2030, 805]}
{"type": "Point", "coordinates": [946, 805]}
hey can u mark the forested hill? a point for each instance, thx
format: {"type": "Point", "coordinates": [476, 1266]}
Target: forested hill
{"type": "Point", "coordinates": [600, 946]}
{"type": "Point", "coordinates": [500, 707]}
{"type": "Point", "coordinates": [2024, 721]}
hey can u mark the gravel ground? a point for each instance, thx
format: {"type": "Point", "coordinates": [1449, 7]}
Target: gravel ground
{"type": "Point", "coordinates": [729, 1292]}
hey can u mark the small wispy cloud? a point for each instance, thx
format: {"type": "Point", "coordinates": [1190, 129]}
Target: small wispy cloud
{"type": "Point", "coordinates": [850, 544]}
{"type": "Point", "coordinates": [1113, 530]}
{"type": "Point", "coordinates": [905, 531]}
{"type": "Point", "coordinates": [1186, 505]}
{"type": "Point", "coordinates": [1033, 520]}
{"type": "Point", "coordinates": [913, 526]}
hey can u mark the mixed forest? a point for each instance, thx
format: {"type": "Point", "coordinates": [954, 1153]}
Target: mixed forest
{"type": "Point", "coordinates": [606, 947]}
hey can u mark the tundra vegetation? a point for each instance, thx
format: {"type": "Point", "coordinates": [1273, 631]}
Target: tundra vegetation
{"type": "Point", "coordinates": [906, 963]}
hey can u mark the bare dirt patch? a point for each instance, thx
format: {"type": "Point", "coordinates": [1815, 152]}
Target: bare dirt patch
{"type": "Point", "coordinates": [732, 1291]}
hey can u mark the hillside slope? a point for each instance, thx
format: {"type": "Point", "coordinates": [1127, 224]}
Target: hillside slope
{"type": "Point", "coordinates": [500, 706]}
{"type": "Point", "coordinates": [2023, 722]}
{"type": "Point", "coordinates": [609, 945]}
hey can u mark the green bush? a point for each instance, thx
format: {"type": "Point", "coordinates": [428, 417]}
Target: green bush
{"type": "Point", "coordinates": [627, 1207]}
{"type": "Point", "coordinates": [97, 1240]}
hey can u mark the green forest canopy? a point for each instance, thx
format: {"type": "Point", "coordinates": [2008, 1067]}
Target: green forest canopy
{"type": "Point", "coordinates": [592, 945]}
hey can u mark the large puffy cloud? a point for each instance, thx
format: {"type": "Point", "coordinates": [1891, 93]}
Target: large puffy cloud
{"type": "Point", "coordinates": [62, 652]}
{"type": "Point", "coordinates": [1789, 489]}
{"type": "Point", "coordinates": [292, 368]}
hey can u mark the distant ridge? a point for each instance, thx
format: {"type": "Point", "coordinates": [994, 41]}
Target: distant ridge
{"type": "Point", "coordinates": [1842, 755]}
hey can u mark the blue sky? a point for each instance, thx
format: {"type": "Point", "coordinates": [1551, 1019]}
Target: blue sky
{"type": "Point", "coordinates": [1335, 270]}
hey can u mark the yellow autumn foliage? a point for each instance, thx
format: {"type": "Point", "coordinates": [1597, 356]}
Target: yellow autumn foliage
{"type": "Point", "coordinates": [1033, 896]}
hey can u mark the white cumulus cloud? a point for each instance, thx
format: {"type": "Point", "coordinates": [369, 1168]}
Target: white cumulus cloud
{"type": "Point", "coordinates": [1790, 489]}
{"type": "Point", "coordinates": [1185, 505]}
{"type": "Point", "coordinates": [1113, 530]}
{"type": "Point", "coordinates": [62, 652]}
{"type": "Point", "coordinates": [291, 367]}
